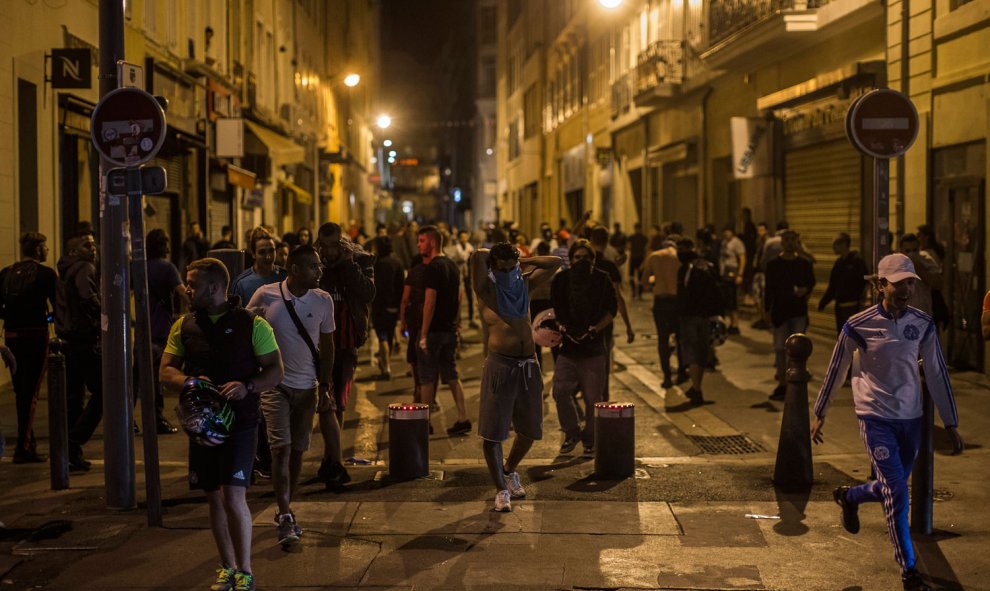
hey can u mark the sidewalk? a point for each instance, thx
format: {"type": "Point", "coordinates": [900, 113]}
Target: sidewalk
{"type": "Point", "coordinates": [681, 523]}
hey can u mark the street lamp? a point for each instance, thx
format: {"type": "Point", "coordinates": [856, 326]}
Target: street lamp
{"type": "Point", "coordinates": [610, 4]}
{"type": "Point", "coordinates": [384, 121]}
{"type": "Point", "coordinates": [387, 143]}
{"type": "Point", "coordinates": [352, 80]}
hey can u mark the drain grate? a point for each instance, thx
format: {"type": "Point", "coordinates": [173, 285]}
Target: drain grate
{"type": "Point", "coordinates": [726, 444]}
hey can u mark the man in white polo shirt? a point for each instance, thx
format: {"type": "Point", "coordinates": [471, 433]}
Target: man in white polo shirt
{"type": "Point", "coordinates": [301, 316]}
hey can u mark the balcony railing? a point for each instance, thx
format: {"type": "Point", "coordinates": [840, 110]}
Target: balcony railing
{"type": "Point", "coordinates": [730, 16]}
{"type": "Point", "coordinates": [661, 64]}
{"type": "Point", "coordinates": [622, 95]}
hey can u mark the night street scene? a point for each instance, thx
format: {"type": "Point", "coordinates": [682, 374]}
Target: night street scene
{"type": "Point", "coordinates": [494, 294]}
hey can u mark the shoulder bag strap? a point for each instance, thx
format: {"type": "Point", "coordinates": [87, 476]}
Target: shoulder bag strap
{"type": "Point", "coordinates": [290, 306]}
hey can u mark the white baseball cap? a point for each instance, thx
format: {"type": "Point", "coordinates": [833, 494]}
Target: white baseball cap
{"type": "Point", "coordinates": [896, 267]}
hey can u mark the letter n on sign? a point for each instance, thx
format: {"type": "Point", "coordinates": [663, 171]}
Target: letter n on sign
{"type": "Point", "coordinates": [72, 68]}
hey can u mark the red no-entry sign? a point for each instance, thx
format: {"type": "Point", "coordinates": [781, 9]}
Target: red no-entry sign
{"type": "Point", "coordinates": [128, 126]}
{"type": "Point", "coordinates": [882, 123]}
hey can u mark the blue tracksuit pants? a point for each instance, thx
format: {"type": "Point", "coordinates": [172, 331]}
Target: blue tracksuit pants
{"type": "Point", "coordinates": [893, 446]}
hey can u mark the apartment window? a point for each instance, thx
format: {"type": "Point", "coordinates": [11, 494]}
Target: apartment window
{"type": "Point", "coordinates": [514, 143]}
{"type": "Point", "coordinates": [531, 112]}
{"type": "Point", "coordinates": [486, 85]}
{"type": "Point", "coordinates": [486, 25]}
{"type": "Point", "coordinates": [515, 11]}
{"type": "Point", "coordinates": [954, 4]}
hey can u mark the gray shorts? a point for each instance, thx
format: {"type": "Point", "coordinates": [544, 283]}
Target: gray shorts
{"type": "Point", "coordinates": [511, 394]}
{"type": "Point", "coordinates": [289, 416]}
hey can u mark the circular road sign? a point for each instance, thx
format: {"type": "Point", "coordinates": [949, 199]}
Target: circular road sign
{"type": "Point", "coordinates": [882, 123]}
{"type": "Point", "coordinates": [128, 126]}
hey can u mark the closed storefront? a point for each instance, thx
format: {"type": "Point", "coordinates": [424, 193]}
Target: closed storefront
{"type": "Point", "coordinates": [824, 197]}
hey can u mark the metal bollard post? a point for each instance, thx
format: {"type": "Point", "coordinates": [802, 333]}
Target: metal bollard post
{"type": "Point", "coordinates": [793, 469]}
{"type": "Point", "coordinates": [923, 474]}
{"type": "Point", "coordinates": [408, 441]}
{"type": "Point", "coordinates": [615, 439]}
{"type": "Point", "coordinates": [58, 417]}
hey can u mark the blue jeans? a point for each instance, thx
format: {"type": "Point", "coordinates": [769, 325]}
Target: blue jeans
{"type": "Point", "coordinates": [893, 446]}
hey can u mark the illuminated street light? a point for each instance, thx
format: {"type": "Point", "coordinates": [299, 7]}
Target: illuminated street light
{"type": "Point", "coordinates": [387, 143]}
{"type": "Point", "coordinates": [610, 4]}
{"type": "Point", "coordinates": [352, 80]}
{"type": "Point", "coordinates": [392, 153]}
{"type": "Point", "coordinates": [384, 121]}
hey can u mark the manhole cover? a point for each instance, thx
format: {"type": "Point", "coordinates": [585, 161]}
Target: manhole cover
{"type": "Point", "coordinates": [726, 444]}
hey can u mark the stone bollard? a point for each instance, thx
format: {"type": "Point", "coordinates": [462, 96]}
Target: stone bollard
{"type": "Point", "coordinates": [793, 469]}
{"type": "Point", "coordinates": [615, 439]}
{"type": "Point", "coordinates": [408, 440]}
{"type": "Point", "coordinates": [58, 417]}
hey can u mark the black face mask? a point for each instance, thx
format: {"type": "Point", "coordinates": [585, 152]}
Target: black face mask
{"type": "Point", "coordinates": [583, 266]}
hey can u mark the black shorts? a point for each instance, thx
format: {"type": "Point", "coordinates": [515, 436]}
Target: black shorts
{"type": "Point", "coordinates": [229, 464]}
{"type": "Point", "coordinates": [384, 325]}
{"type": "Point", "coordinates": [439, 359]}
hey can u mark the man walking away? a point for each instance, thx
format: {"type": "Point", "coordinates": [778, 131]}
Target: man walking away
{"type": "Point", "coordinates": [349, 278]}
{"type": "Point", "coordinates": [662, 267]}
{"type": "Point", "coordinates": [301, 316]}
{"type": "Point", "coordinates": [226, 239]}
{"type": "Point", "coordinates": [460, 251]}
{"type": "Point", "coordinates": [638, 242]}
{"type": "Point", "coordinates": [846, 282]}
{"type": "Point", "coordinates": [389, 277]}
{"type": "Point", "coordinates": [511, 384]}
{"type": "Point", "coordinates": [164, 286]}
{"type": "Point", "coordinates": [731, 264]}
{"type": "Point", "coordinates": [584, 304]}
{"type": "Point", "coordinates": [27, 295]}
{"type": "Point", "coordinates": [237, 351]}
{"type": "Point", "coordinates": [890, 338]}
{"type": "Point", "coordinates": [437, 344]}
{"type": "Point", "coordinates": [698, 299]}
{"type": "Point", "coordinates": [195, 246]}
{"type": "Point", "coordinates": [77, 322]}
{"type": "Point", "coordinates": [790, 279]}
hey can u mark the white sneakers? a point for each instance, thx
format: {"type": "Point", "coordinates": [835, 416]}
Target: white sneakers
{"type": "Point", "coordinates": [516, 490]}
{"type": "Point", "coordinates": [502, 504]}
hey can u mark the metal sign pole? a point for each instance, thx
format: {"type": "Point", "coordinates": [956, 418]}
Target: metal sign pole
{"type": "Point", "coordinates": [118, 439]}
{"type": "Point", "coordinates": [142, 348]}
{"type": "Point", "coordinates": [881, 209]}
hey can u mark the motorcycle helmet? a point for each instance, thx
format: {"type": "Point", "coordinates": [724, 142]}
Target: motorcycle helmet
{"type": "Point", "coordinates": [205, 415]}
{"type": "Point", "coordinates": [546, 329]}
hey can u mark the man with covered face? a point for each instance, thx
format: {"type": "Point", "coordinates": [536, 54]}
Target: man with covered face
{"type": "Point", "coordinates": [511, 382]}
{"type": "Point", "coordinates": [584, 303]}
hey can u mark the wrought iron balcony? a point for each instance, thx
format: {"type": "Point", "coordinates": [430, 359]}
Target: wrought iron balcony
{"type": "Point", "coordinates": [659, 70]}
{"type": "Point", "coordinates": [622, 95]}
{"type": "Point", "coordinates": [726, 17]}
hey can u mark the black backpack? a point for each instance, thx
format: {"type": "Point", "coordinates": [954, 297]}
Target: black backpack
{"type": "Point", "coordinates": [17, 286]}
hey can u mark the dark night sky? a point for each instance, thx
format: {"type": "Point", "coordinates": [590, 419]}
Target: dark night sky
{"type": "Point", "coordinates": [419, 28]}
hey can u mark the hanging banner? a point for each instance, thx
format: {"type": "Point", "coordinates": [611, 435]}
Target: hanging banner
{"type": "Point", "coordinates": [751, 147]}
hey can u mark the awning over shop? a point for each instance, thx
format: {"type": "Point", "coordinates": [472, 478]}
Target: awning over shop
{"type": "Point", "coordinates": [240, 177]}
{"type": "Point", "coordinates": [301, 195]}
{"type": "Point", "coordinates": [281, 149]}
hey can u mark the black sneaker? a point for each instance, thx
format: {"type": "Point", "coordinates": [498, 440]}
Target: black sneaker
{"type": "Point", "coordinates": [568, 445]}
{"type": "Point", "coordinates": [589, 451]}
{"type": "Point", "coordinates": [779, 393]}
{"type": "Point", "coordinates": [166, 428]}
{"type": "Point", "coordinates": [681, 378]}
{"type": "Point", "coordinates": [78, 463]}
{"type": "Point", "coordinates": [850, 511]}
{"type": "Point", "coordinates": [29, 457]}
{"type": "Point", "coordinates": [695, 397]}
{"type": "Point", "coordinates": [666, 383]}
{"type": "Point", "coordinates": [913, 582]}
{"type": "Point", "coordinates": [460, 428]}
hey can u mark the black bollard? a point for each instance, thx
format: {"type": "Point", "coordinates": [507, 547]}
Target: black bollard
{"type": "Point", "coordinates": [923, 474]}
{"type": "Point", "coordinates": [793, 470]}
{"type": "Point", "coordinates": [615, 439]}
{"type": "Point", "coordinates": [58, 417]}
{"type": "Point", "coordinates": [408, 441]}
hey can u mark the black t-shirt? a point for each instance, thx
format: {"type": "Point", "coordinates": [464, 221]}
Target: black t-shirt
{"type": "Point", "coordinates": [26, 290]}
{"type": "Point", "coordinates": [603, 264]}
{"type": "Point", "coordinates": [389, 277]}
{"type": "Point", "coordinates": [783, 275]}
{"type": "Point", "coordinates": [637, 246]}
{"type": "Point", "coordinates": [417, 296]}
{"type": "Point", "coordinates": [163, 278]}
{"type": "Point", "coordinates": [443, 276]}
{"type": "Point", "coordinates": [598, 299]}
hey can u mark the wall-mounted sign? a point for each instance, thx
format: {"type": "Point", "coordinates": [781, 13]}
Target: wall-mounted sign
{"type": "Point", "coordinates": [751, 147]}
{"type": "Point", "coordinates": [71, 68]}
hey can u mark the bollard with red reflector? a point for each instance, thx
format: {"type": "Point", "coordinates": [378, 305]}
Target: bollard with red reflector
{"type": "Point", "coordinates": [408, 441]}
{"type": "Point", "coordinates": [615, 439]}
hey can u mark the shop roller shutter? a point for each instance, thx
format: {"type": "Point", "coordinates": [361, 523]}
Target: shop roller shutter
{"type": "Point", "coordinates": [824, 197]}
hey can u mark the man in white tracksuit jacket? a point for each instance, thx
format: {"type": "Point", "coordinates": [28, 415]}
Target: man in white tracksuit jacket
{"type": "Point", "coordinates": [889, 338]}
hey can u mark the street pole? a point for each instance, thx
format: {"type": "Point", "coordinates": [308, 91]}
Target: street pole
{"type": "Point", "coordinates": [118, 440]}
{"type": "Point", "coordinates": [881, 210]}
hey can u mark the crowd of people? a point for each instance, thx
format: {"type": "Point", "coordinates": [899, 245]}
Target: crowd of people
{"type": "Point", "coordinates": [280, 340]}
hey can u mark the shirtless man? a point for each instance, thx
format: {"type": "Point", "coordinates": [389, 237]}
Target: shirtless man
{"type": "Point", "coordinates": [511, 382]}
